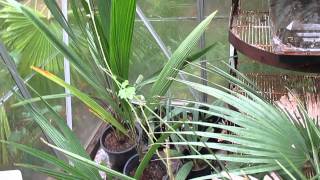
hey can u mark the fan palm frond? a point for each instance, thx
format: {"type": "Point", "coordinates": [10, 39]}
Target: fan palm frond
{"type": "Point", "coordinates": [33, 48]}
{"type": "Point", "coordinates": [263, 135]}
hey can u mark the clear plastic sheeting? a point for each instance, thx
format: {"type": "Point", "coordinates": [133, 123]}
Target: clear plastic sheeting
{"type": "Point", "coordinates": [295, 25]}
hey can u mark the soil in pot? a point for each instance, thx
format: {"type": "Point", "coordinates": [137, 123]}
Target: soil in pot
{"type": "Point", "coordinates": [116, 143]}
{"type": "Point", "coordinates": [119, 147]}
{"type": "Point", "coordinates": [155, 170]}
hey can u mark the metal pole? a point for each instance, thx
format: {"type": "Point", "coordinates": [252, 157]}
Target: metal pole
{"type": "Point", "coordinates": [233, 62]}
{"type": "Point", "coordinates": [202, 44]}
{"type": "Point", "coordinates": [67, 76]}
{"type": "Point", "coordinates": [162, 45]}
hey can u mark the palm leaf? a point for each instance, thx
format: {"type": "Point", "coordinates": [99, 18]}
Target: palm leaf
{"type": "Point", "coordinates": [121, 31]}
{"type": "Point", "coordinates": [242, 171]}
{"type": "Point", "coordinates": [56, 41]}
{"type": "Point", "coordinates": [184, 171]}
{"type": "Point", "coordinates": [50, 172]}
{"type": "Point", "coordinates": [64, 166]}
{"type": "Point", "coordinates": [33, 47]}
{"type": "Point", "coordinates": [264, 134]}
{"type": "Point", "coordinates": [191, 58]}
{"type": "Point", "coordinates": [59, 17]}
{"type": "Point", "coordinates": [5, 132]}
{"type": "Point", "coordinates": [95, 107]}
{"type": "Point", "coordinates": [91, 163]}
{"type": "Point", "coordinates": [61, 136]}
{"type": "Point", "coordinates": [161, 86]}
{"type": "Point", "coordinates": [48, 97]}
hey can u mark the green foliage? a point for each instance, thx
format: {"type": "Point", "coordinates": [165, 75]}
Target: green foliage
{"type": "Point", "coordinates": [178, 58]}
{"type": "Point", "coordinates": [184, 171]}
{"type": "Point", "coordinates": [56, 130]}
{"type": "Point", "coordinates": [95, 107]}
{"type": "Point", "coordinates": [264, 137]}
{"type": "Point", "coordinates": [148, 156]}
{"type": "Point", "coordinates": [29, 45]}
{"type": "Point", "coordinates": [65, 170]}
{"type": "Point", "coordinates": [126, 91]}
{"type": "Point", "coordinates": [110, 48]}
{"type": "Point", "coordinates": [121, 30]}
{"type": "Point", "coordinates": [108, 35]}
{"type": "Point", "coordinates": [22, 37]}
{"type": "Point", "coordinates": [5, 132]}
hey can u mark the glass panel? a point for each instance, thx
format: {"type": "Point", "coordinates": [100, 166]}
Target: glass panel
{"type": "Point", "coordinates": [247, 65]}
{"type": "Point", "coordinates": [147, 56]}
{"type": "Point", "coordinates": [223, 7]}
{"type": "Point", "coordinates": [169, 8]}
{"type": "Point", "coordinates": [5, 79]}
{"type": "Point", "coordinates": [254, 5]}
{"type": "Point", "coordinates": [174, 32]}
{"type": "Point", "coordinates": [17, 125]}
{"type": "Point", "coordinates": [296, 25]}
{"type": "Point", "coordinates": [172, 36]}
{"type": "Point", "coordinates": [218, 33]}
{"type": "Point", "coordinates": [25, 131]}
{"type": "Point", "coordinates": [85, 123]}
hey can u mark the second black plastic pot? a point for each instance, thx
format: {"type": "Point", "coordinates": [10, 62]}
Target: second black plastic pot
{"type": "Point", "coordinates": [206, 170]}
{"type": "Point", "coordinates": [117, 160]}
{"type": "Point", "coordinates": [133, 163]}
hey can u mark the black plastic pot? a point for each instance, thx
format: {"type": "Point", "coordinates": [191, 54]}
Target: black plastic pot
{"type": "Point", "coordinates": [145, 137]}
{"type": "Point", "coordinates": [117, 160]}
{"type": "Point", "coordinates": [159, 128]}
{"type": "Point", "coordinates": [206, 170]}
{"type": "Point", "coordinates": [133, 163]}
{"type": "Point", "coordinates": [210, 119]}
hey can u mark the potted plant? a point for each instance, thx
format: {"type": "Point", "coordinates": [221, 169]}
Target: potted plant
{"type": "Point", "coordinates": [155, 170]}
{"type": "Point", "coordinates": [290, 152]}
{"type": "Point", "coordinates": [151, 165]}
{"type": "Point", "coordinates": [264, 138]}
{"type": "Point", "coordinates": [195, 167]}
{"type": "Point", "coordinates": [107, 30]}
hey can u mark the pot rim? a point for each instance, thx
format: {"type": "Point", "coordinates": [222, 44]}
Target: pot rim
{"type": "Point", "coordinates": [201, 169]}
{"type": "Point", "coordinates": [118, 152]}
{"type": "Point", "coordinates": [132, 158]}
{"type": "Point", "coordinates": [129, 161]}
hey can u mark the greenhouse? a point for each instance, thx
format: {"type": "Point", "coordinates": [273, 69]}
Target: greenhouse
{"type": "Point", "coordinates": [159, 89]}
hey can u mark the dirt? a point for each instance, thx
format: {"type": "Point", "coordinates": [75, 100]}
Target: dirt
{"type": "Point", "coordinates": [154, 171]}
{"type": "Point", "coordinates": [117, 143]}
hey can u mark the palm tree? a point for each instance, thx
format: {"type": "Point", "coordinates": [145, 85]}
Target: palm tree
{"type": "Point", "coordinates": [263, 137]}
{"type": "Point", "coordinates": [107, 29]}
